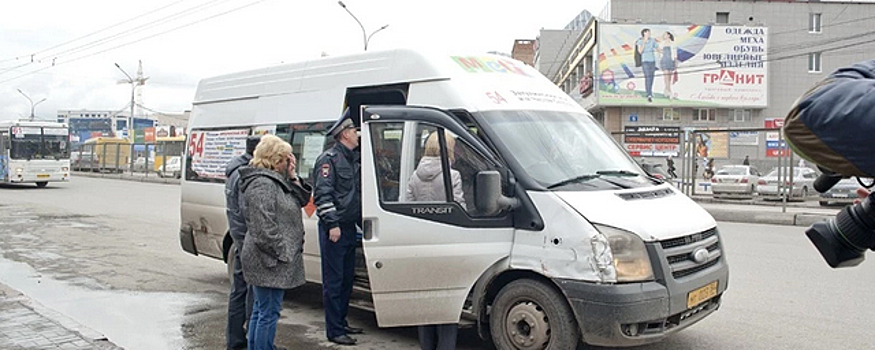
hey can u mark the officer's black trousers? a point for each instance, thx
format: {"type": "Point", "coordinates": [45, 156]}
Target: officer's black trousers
{"type": "Point", "coordinates": [338, 272]}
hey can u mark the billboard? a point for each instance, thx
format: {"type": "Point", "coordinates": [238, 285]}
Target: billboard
{"type": "Point", "coordinates": [652, 141]}
{"type": "Point", "coordinates": [682, 65]}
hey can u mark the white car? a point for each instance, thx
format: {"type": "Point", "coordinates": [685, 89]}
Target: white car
{"type": "Point", "coordinates": [803, 183]}
{"type": "Point", "coordinates": [735, 179]}
{"type": "Point", "coordinates": [173, 168]}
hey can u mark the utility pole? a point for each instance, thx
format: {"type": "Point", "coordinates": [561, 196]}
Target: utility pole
{"type": "Point", "coordinates": [140, 80]}
{"type": "Point", "coordinates": [366, 38]}
{"type": "Point", "coordinates": [32, 105]}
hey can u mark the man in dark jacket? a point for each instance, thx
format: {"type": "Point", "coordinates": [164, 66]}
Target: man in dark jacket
{"type": "Point", "coordinates": [240, 298]}
{"type": "Point", "coordinates": [337, 196]}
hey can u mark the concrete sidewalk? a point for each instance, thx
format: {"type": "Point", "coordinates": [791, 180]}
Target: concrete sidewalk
{"type": "Point", "coordinates": [25, 324]}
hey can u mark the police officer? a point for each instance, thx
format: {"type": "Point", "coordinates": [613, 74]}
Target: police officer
{"type": "Point", "coordinates": [337, 196]}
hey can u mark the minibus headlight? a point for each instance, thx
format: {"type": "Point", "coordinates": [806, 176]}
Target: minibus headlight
{"type": "Point", "coordinates": [630, 257]}
{"type": "Point", "coordinates": [19, 170]}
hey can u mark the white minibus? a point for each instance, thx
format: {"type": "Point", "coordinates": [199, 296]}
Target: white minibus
{"type": "Point", "coordinates": [559, 236]}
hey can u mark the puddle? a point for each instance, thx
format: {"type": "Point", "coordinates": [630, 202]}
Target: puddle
{"type": "Point", "coordinates": [132, 320]}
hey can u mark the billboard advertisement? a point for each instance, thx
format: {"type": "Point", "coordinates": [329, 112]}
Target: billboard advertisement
{"type": "Point", "coordinates": [682, 65]}
{"type": "Point", "coordinates": [652, 141]}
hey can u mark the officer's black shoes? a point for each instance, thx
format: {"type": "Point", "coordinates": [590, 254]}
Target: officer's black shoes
{"type": "Point", "coordinates": [343, 340]}
{"type": "Point", "coordinates": [353, 330]}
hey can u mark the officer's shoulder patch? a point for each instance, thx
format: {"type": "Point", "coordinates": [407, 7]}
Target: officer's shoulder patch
{"type": "Point", "coordinates": [326, 170]}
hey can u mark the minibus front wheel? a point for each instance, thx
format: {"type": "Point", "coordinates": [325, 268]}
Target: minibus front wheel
{"type": "Point", "coordinates": [530, 315]}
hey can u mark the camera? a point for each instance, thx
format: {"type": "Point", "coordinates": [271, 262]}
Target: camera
{"type": "Point", "coordinates": [843, 240]}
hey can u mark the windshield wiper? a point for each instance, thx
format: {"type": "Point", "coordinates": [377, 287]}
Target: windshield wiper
{"type": "Point", "coordinates": [616, 173]}
{"type": "Point", "coordinates": [584, 177]}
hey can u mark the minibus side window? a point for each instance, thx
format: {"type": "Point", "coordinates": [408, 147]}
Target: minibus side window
{"type": "Point", "coordinates": [386, 138]}
{"type": "Point", "coordinates": [308, 142]}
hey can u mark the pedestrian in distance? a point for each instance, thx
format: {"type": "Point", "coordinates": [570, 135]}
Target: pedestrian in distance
{"type": "Point", "coordinates": [427, 185]}
{"type": "Point", "coordinates": [669, 161]}
{"type": "Point", "coordinates": [337, 196]}
{"type": "Point", "coordinates": [273, 250]}
{"type": "Point", "coordinates": [240, 298]}
{"type": "Point", "coordinates": [746, 160]}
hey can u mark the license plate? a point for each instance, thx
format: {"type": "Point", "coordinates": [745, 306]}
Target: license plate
{"type": "Point", "coordinates": [42, 176]}
{"type": "Point", "coordinates": [841, 195]}
{"type": "Point", "coordinates": [701, 295]}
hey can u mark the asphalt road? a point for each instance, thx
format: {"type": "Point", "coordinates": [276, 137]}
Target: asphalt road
{"type": "Point", "coordinates": [106, 253]}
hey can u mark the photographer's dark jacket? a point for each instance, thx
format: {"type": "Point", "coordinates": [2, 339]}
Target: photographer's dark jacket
{"type": "Point", "coordinates": [834, 122]}
{"type": "Point", "coordinates": [337, 191]}
{"type": "Point", "coordinates": [273, 250]}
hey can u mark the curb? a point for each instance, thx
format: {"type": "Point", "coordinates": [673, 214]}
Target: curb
{"type": "Point", "coordinates": [126, 177]}
{"type": "Point", "coordinates": [71, 325]}
{"type": "Point", "coordinates": [768, 218]}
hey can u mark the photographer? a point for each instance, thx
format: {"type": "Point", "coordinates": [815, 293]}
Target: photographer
{"type": "Point", "coordinates": [831, 125]}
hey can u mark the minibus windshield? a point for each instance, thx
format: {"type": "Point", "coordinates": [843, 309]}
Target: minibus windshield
{"type": "Point", "coordinates": [564, 149]}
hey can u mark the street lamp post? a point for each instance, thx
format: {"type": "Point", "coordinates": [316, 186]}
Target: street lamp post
{"type": "Point", "coordinates": [32, 105]}
{"type": "Point", "coordinates": [365, 36]}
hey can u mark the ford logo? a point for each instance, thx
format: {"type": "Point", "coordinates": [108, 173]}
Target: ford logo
{"type": "Point", "coordinates": [700, 255]}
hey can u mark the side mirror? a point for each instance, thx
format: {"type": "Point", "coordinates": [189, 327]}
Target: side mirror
{"type": "Point", "coordinates": [489, 199]}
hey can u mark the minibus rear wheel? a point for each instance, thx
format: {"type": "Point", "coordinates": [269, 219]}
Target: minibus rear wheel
{"type": "Point", "coordinates": [529, 315]}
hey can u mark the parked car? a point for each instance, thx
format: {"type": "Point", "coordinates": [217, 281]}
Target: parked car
{"type": "Point", "coordinates": [84, 160]}
{"type": "Point", "coordinates": [173, 168]}
{"type": "Point", "coordinates": [735, 179]}
{"type": "Point", "coordinates": [656, 170]}
{"type": "Point", "coordinates": [844, 192]}
{"type": "Point", "coordinates": [140, 164]}
{"type": "Point", "coordinates": [803, 183]}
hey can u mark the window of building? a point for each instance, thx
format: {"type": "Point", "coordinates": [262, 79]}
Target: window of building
{"type": "Point", "coordinates": [814, 62]}
{"type": "Point", "coordinates": [722, 17]}
{"type": "Point", "coordinates": [814, 24]}
{"type": "Point", "coordinates": [670, 114]}
{"type": "Point", "coordinates": [741, 115]}
{"type": "Point", "coordinates": [706, 115]}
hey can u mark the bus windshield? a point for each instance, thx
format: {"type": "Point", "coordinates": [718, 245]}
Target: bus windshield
{"type": "Point", "coordinates": [35, 146]}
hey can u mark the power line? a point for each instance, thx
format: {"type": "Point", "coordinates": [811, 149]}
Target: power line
{"type": "Point", "coordinates": [96, 32]}
{"type": "Point", "coordinates": [98, 42]}
{"type": "Point", "coordinates": [133, 42]}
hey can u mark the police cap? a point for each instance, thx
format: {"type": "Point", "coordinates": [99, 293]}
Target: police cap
{"type": "Point", "coordinates": [344, 122]}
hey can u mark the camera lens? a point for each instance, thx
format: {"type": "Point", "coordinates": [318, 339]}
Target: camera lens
{"type": "Point", "coordinates": [842, 241]}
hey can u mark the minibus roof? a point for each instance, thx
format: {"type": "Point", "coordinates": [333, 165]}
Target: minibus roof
{"type": "Point", "coordinates": [472, 82]}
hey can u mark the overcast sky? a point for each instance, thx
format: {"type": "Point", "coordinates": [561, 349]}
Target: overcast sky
{"type": "Point", "coordinates": [85, 38]}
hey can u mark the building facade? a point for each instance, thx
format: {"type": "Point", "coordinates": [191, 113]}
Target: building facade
{"type": "Point", "coordinates": [739, 64]}
{"type": "Point", "coordinates": [524, 50]}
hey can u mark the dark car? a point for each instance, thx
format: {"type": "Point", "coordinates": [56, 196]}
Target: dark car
{"type": "Point", "coordinates": [844, 192]}
{"type": "Point", "coordinates": [656, 170]}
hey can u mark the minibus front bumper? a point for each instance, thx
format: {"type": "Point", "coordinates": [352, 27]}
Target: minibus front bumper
{"type": "Point", "coordinates": [631, 314]}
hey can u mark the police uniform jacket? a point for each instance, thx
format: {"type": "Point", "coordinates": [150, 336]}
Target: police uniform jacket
{"type": "Point", "coordinates": [337, 190]}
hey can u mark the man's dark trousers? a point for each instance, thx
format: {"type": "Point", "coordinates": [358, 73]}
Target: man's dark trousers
{"type": "Point", "coordinates": [338, 272]}
{"type": "Point", "coordinates": [239, 306]}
